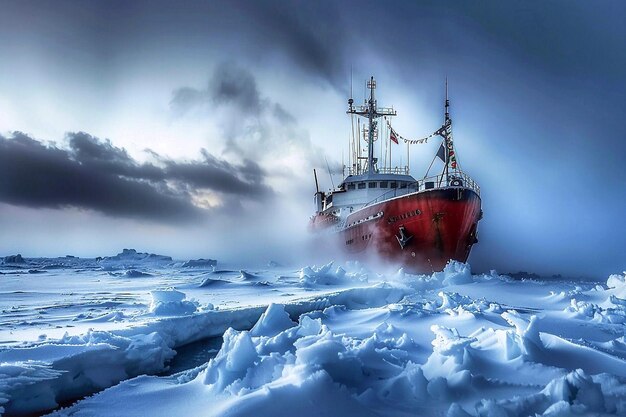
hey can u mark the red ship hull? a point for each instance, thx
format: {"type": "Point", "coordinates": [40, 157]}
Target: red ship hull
{"type": "Point", "coordinates": [420, 231]}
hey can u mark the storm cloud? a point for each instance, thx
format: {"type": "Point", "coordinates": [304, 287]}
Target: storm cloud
{"type": "Point", "coordinates": [229, 84]}
{"type": "Point", "coordinates": [253, 125]}
{"type": "Point", "coordinates": [93, 174]}
{"type": "Point", "coordinates": [316, 38]}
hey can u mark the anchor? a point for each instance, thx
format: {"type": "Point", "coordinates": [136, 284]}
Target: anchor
{"type": "Point", "coordinates": [403, 238]}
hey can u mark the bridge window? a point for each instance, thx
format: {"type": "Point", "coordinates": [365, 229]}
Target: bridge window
{"type": "Point", "coordinates": [393, 184]}
{"type": "Point", "coordinates": [351, 186]}
{"type": "Point", "coordinates": [403, 185]}
{"type": "Point", "coordinates": [361, 186]}
{"type": "Point", "coordinates": [372, 184]}
{"type": "Point", "coordinates": [384, 184]}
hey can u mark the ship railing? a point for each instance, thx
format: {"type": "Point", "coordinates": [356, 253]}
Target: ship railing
{"type": "Point", "coordinates": [457, 179]}
{"type": "Point", "coordinates": [395, 170]}
{"type": "Point", "coordinates": [357, 171]}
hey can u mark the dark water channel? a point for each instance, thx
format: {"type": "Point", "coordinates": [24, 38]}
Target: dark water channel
{"type": "Point", "coordinates": [193, 355]}
{"type": "Point", "coordinates": [187, 357]}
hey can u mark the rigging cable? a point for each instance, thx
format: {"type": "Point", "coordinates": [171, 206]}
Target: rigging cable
{"type": "Point", "coordinates": [329, 173]}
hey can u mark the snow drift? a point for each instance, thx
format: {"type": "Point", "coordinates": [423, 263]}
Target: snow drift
{"type": "Point", "coordinates": [354, 343]}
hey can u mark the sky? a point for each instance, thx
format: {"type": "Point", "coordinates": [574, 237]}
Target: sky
{"type": "Point", "coordinates": [192, 128]}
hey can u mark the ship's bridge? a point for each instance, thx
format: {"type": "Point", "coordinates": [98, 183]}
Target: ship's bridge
{"type": "Point", "coordinates": [374, 182]}
{"type": "Point", "coordinates": [357, 190]}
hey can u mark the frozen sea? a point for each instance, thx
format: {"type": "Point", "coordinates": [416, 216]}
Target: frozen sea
{"type": "Point", "coordinates": [138, 334]}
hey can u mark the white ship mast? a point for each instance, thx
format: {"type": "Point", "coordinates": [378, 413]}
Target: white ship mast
{"type": "Point", "coordinates": [370, 111]}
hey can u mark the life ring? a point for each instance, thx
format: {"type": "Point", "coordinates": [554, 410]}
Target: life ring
{"type": "Point", "coordinates": [456, 182]}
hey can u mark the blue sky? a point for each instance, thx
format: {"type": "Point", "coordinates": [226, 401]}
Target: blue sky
{"type": "Point", "coordinates": [252, 96]}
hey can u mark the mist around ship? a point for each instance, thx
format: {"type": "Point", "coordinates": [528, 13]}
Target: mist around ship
{"type": "Point", "coordinates": [156, 181]}
{"type": "Point", "coordinates": [208, 135]}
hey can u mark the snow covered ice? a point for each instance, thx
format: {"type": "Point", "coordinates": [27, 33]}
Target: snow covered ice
{"type": "Point", "coordinates": [101, 337]}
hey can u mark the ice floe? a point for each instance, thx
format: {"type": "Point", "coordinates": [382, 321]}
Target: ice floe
{"type": "Point", "coordinates": [200, 263]}
{"type": "Point", "coordinates": [329, 340]}
{"type": "Point", "coordinates": [170, 302]}
{"type": "Point", "coordinates": [329, 275]}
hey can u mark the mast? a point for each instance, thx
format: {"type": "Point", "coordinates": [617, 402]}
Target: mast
{"type": "Point", "coordinates": [371, 126]}
{"type": "Point", "coordinates": [317, 185]}
{"type": "Point", "coordinates": [371, 111]}
{"type": "Point", "coordinates": [447, 104]}
{"type": "Point", "coordinates": [446, 123]}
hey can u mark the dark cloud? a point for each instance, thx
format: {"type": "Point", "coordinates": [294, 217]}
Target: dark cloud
{"type": "Point", "coordinates": [221, 176]}
{"type": "Point", "coordinates": [94, 174]}
{"type": "Point", "coordinates": [102, 156]}
{"type": "Point", "coordinates": [313, 35]}
{"type": "Point", "coordinates": [252, 124]}
{"type": "Point", "coordinates": [229, 84]}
